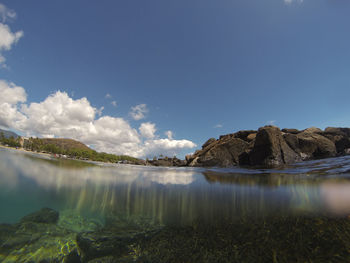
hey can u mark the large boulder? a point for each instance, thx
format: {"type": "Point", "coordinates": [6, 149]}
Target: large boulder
{"type": "Point", "coordinates": [315, 146]}
{"type": "Point", "coordinates": [340, 137]}
{"type": "Point", "coordinates": [224, 152]}
{"type": "Point", "coordinates": [270, 148]}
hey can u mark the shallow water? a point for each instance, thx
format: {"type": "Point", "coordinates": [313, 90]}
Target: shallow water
{"type": "Point", "coordinates": [199, 202]}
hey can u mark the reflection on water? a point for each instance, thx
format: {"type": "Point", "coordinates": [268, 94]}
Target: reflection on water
{"type": "Point", "coordinates": [177, 195]}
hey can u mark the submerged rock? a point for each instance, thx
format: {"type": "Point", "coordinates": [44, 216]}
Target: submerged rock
{"type": "Point", "coordinates": [117, 240]}
{"type": "Point", "coordinates": [104, 243]}
{"type": "Point", "coordinates": [37, 238]}
{"type": "Point", "coordinates": [45, 215]}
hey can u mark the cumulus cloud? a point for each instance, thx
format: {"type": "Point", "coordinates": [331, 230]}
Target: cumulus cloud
{"type": "Point", "coordinates": [147, 130]}
{"type": "Point", "coordinates": [11, 96]}
{"type": "Point", "coordinates": [7, 37]}
{"type": "Point", "coordinates": [10, 93]}
{"type": "Point", "coordinates": [139, 112]}
{"type": "Point", "coordinates": [114, 103]}
{"type": "Point", "coordinates": [61, 116]}
{"type": "Point", "coordinates": [108, 96]}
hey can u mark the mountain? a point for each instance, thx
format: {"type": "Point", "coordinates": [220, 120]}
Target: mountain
{"type": "Point", "coordinates": [8, 134]}
{"type": "Point", "coordinates": [66, 144]}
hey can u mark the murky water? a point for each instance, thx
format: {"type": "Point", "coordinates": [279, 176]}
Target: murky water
{"type": "Point", "coordinates": [180, 210]}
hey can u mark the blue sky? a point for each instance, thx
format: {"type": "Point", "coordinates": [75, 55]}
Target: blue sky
{"type": "Point", "coordinates": [201, 68]}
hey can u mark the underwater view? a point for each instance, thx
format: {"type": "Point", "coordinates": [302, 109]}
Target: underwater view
{"type": "Point", "coordinates": [57, 210]}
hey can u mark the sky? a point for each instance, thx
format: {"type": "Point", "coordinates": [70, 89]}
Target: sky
{"type": "Point", "coordinates": [154, 77]}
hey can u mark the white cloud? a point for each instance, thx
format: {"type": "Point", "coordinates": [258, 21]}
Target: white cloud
{"type": "Point", "coordinates": [147, 130]}
{"type": "Point", "coordinates": [272, 122]}
{"type": "Point", "coordinates": [139, 112]}
{"type": "Point", "coordinates": [11, 95]}
{"type": "Point", "coordinates": [291, 1]}
{"type": "Point", "coordinates": [6, 13]}
{"type": "Point", "coordinates": [7, 37]}
{"type": "Point", "coordinates": [114, 103]}
{"type": "Point", "coordinates": [218, 126]}
{"type": "Point", "coordinates": [61, 116]}
{"type": "Point", "coordinates": [108, 96]}
{"type": "Point", "coordinates": [169, 134]}
{"type": "Point", "coordinates": [166, 147]}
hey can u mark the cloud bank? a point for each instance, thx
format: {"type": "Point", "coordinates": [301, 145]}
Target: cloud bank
{"type": "Point", "coordinates": [62, 116]}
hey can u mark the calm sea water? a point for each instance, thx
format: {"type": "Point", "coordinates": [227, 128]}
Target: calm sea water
{"type": "Point", "coordinates": [177, 197]}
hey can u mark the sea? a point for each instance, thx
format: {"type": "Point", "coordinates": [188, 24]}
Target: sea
{"type": "Point", "coordinates": [61, 210]}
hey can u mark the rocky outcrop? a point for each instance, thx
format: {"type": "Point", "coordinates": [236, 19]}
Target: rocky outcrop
{"type": "Point", "coordinates": [270, 146]}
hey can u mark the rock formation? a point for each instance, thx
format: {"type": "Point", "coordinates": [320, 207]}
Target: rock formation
{"type": "Point", "coordinates": [270, 146]}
